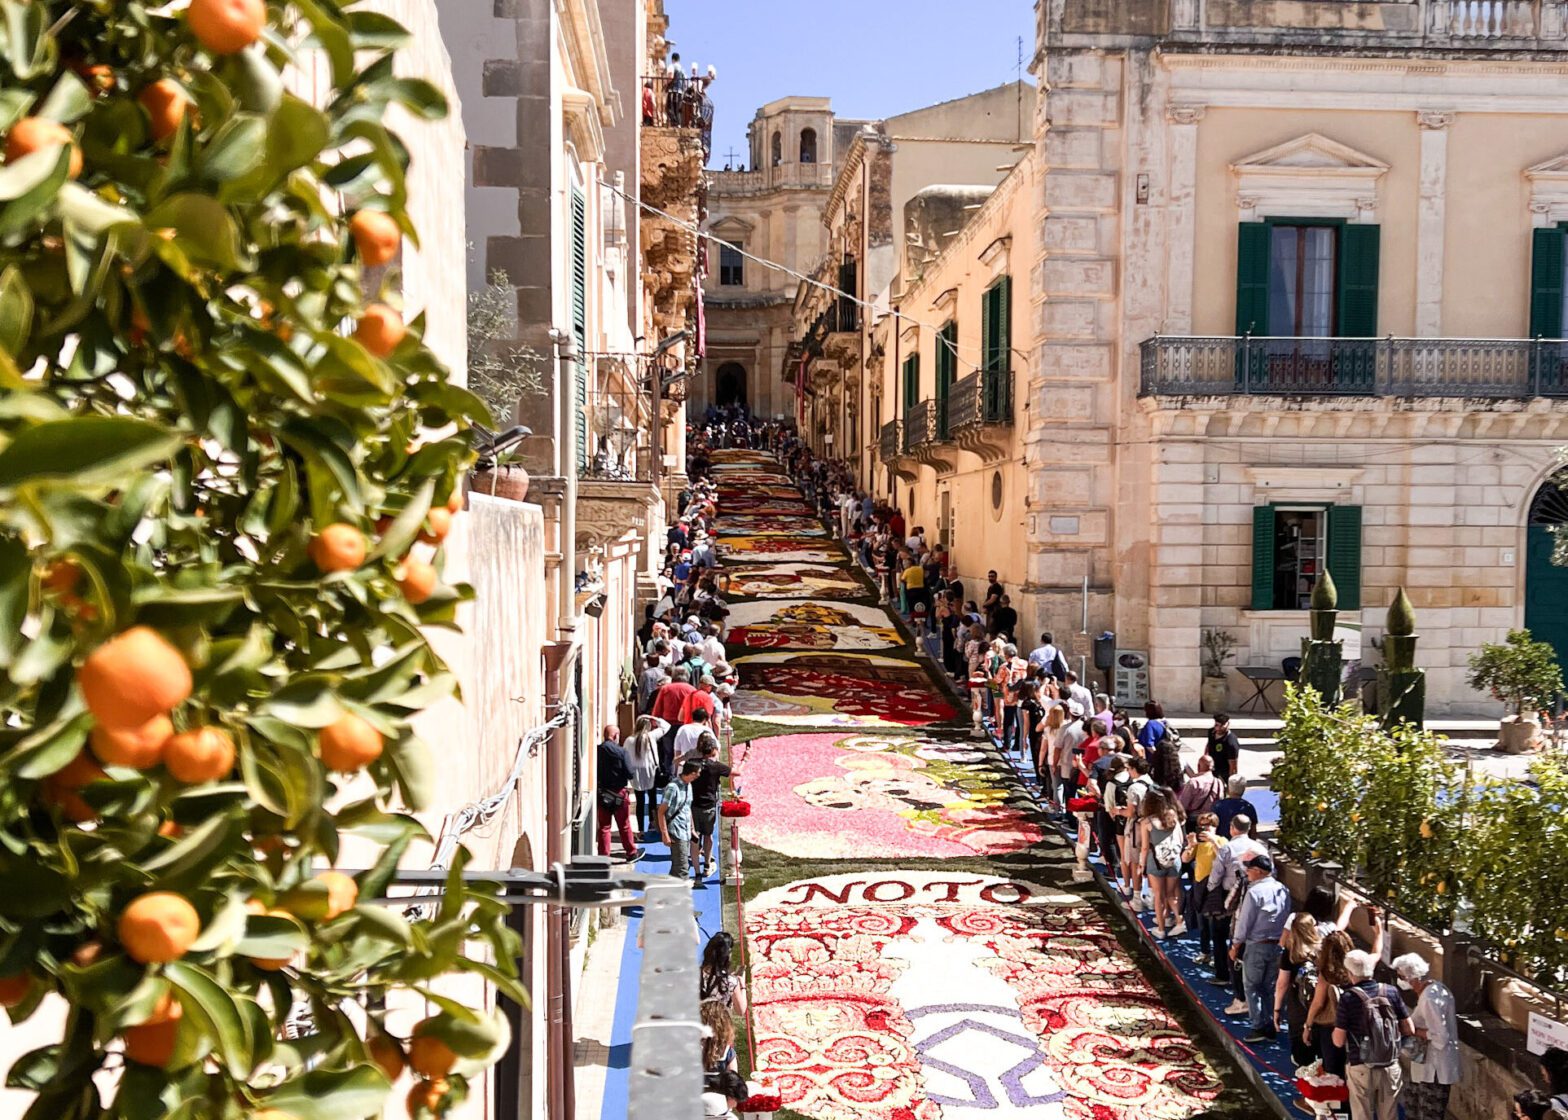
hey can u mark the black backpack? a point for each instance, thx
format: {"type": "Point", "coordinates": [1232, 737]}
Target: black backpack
{"type": "Point", "coordinates": [1379, 1046]}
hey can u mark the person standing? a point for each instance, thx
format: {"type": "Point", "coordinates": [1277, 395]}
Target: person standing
{"type": "Point", "coordinates": [1226, 876]}
{"type": "Point", "coordinates": [675, 817]}
{"type": "Point", "coordinates": [668, 703]}
{"type": "Point", "coordinates": [643, 751]}
{"type": "Point", "coordinates": [1235, 802]}
{"type": "Point", "coordinates": [1254, 942]}
{"type": "Point", "coordinates": [1369, 1024]}
{"type": "Point", "coordinates": [1078, 692]}
{"type": "Point", "coordinates": [1201, 792]}
{"type": "Point", "coordinates": [1434, 1066]}
{"type": "Point", "coordinates": [1223, 747]}
{"type": "Point", "coordinates": [1161, 842]}
{"type": "Point", "coordinates": [1004, 619]}
{"type": "Point", "coordinates": [992, 600]}
{"type": "Point", "coordinates": [705, 805]}
{"type": "Point", "coordinates": [615, 778]}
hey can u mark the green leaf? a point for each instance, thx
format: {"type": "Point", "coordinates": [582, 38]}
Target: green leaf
{"type": "Point", "coordinates": [16, 311]}
{"type": "Point", "coordinates": [309, 700]}
{"type": "Point", "coordinates": [47, 167]}
{"type": "Point", "coordinates": [256, 83]}
{"type": "Point", "coordinates": [400, 535]}
{"type": "Point", "coordinates": [237, 149]}
{"type": "Point", "coordinates": [384, 923]}
{"type": "Point", "coordinates": [215, 1012]}
{"type": "Point", "coordinates": [415, 769]}
{"type": "Point", "coordinates": [194, 850]}
{"type": "Point", "coordinates": [420, 98]}
{"type": "Point", "coordinates": [49, 748]}
{"type": "Point", "coordinates": [90, 213]}
{"type": "Point", "coordinates": [68, 101]}
{"type": "Point", "coordinates": [225, 930]}
{"type": "Point", "coordinates": [298, 133]}
{"type": "Point", "coordinates": [330, 1094]}
{"type": "Point", "coordinates": [271, 937]}
{"type": "Point", "coordinates": [16, 572]}
{"type": "Point", "coordinates": [372, 31]}
{"type": "Point", "coordinates": [29, 49]}
{"type": "Point", "coordinates": [204, 230]}
{"type": "Point", "coordinates": [85, 451]}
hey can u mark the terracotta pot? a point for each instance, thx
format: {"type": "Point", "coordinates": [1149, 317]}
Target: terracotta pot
{"type": "Point", "coordinates": [509, 482]}
{"type": "Point", "coordinates": [1214, 694]}
{"type": "Point", "coordinates": [1516, 735]}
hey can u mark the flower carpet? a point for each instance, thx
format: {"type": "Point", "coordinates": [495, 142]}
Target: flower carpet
{"type": "Point", "coordinates": [919, 995]}
{"type": "Point", "coordinates": [940, 982]}
{"type": "Point", "coordinates": [807, 624]}
{"type": "Point", "coordinates": [834, 796]}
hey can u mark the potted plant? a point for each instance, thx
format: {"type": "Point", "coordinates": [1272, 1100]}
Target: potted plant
{"type": "Point", "coordinates": [1219, 646]}
{"type": "Point", "coordinates": [1523, 674]}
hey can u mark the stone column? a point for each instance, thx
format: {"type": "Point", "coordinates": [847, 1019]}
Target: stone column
{"type": "Point", "coordinates": [1181, 204]}
{"type": "Point", "coordinates": [1430, 226]}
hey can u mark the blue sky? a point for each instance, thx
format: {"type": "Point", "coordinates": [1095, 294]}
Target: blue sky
{"type": "Point", "coordinates": [874, 58]}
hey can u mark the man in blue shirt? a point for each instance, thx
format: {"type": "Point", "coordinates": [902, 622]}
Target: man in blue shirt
{"type": "Point", "coordinates": [1265, 909]}
{"type": "Point", "coordinates": [1235, 802]}
{"type": "Point", "coordinates": [675, 817]}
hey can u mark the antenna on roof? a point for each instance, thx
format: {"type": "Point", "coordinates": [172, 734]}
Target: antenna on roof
{"type": "Point", "coordinates": [1020, 87]}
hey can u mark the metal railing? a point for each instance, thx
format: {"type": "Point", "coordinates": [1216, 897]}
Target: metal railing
{"type": "Point", "coordinates": [617, 445]}
{"type": "Point", "coordinates": [890, 440]}
{"type": "Point", "coordinates": [981, 398]}
{"type": "Point", "coordinates": [1357, 367]}
{"type": "Point", "coordinates": [676, 103]}
{"type": "Point", "coordinates": [1500, 24]}
{"type": "Point", "coordinates": [926, 423]}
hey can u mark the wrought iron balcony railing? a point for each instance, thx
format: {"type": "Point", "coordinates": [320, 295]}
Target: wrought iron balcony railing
{"type": "Point", "coordinates": [926, 423]}
{"type": "Point", "coordinates": [890, 440]}
{"type": "Point", "coordinates": [1495, 368]}
{"type": "Point", "coordinates": [982, 398]}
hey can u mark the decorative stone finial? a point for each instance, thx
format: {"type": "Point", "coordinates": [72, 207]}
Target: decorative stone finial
{"type": "Point", "coordinates": [1325, 596]}
{"type": "Point", "coordinates": [1401, 616]}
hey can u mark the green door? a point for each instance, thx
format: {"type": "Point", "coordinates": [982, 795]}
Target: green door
{"type": "Point", "coordinates": [1546, 593]}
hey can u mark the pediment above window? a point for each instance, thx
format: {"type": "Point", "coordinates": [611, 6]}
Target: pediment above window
{"type": "Point", "coordinates": [1309, 177]}
{"type": "Point", "coordinates": [731, 228]}
{"type": "Point", "coordinates": [1549, 191]}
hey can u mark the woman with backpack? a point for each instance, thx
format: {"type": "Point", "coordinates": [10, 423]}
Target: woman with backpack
{"type": "Point", "coordinates": [643, 751]}
{"type": "Point", "coordinates": [1161, 842]}
{"type": "Point", "coordinates": [1301, 942]}
{"type": "Point", "coordinates": [1154, 728]}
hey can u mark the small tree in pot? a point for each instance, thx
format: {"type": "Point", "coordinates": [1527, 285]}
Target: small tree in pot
{"type": "Point", "coordinates": [1219, 646]}
{"type": "Point", "coordinates": [1522, 673]}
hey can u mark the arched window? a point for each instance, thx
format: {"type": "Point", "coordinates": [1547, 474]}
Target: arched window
{"type": "Point", "coordinates": [808, 145]}
{"type": "Point", "coordinates": [778, 148]}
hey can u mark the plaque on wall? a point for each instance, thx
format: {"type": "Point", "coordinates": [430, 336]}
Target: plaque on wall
{"type": "Point", "coordinates": [1131, 678]}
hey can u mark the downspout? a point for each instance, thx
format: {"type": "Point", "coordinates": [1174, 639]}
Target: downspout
{"type": "Point", "coordinates": [898, 403]}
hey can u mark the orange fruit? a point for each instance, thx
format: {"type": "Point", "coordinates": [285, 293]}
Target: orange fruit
{"type": "Point", "coordinates": [98, 79]}
{"type": "Point", "coordinates": [338, 548]}
{"type": "Point", "coordinates": [454, 504]}
{"type": "Point", "coordinates": [226, 26]}
{"type": "Point", "coordinates": [204, 754]}
{"type": "Point", "coordinates": [387, 1054]}
{"type": "Point", "coordinates": [167, 1010]}
{"type": "Point", "coordinates": [380, 329]}
{"type": "Point", "coordinates": [426, 1095]}
{"type": "Point", "coordinates": [158, 927]}
{"type": "Point", "coordinates": [342, 892]}
{"type": "Point", "coordinates": [417, 580]}
{"type": "Point", "coordinates": [349, 744]}
{"type": "Point", "coordinates": [428, 1056]}
{"type": "Point", "coordinates": [166, 104]}
{"type": "Point", "coordinates": [151, 1044]}
{"type": "Point", "coordinates": [376, 236]}
{"type": "Point", "coordinates": [31, 134]}
{"type": "Point", "coordinates": [62, 576]}
{"type": "Point", "coordinates": [78, 772]}
{"type": "Point", "coordinates": [438, 523]}
{"type": "Point", "coordinates": [14, 989]}
{"type": "Point", "coordinates": [170, 830]}
{"type": "Point", "coordinates": [137, 747]}
{"type": "Point", "coordinates": [132, 677]}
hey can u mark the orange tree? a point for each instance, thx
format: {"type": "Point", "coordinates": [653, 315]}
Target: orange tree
{"type": "Point", "coordinates": [225, 474]}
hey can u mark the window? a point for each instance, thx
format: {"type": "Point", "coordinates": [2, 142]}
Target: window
{"type": "Point", "coordinates": [1291, 547]}
{"type": "Point", "coordinates": [808, 145]}
{"type": "Point", "coordinates": [1306, 278]}
{"type": "Point", "coordinates": [911, 381]}
{"type": "Point", "coordinates": [996, 324]}
{"type": "Point", "coordinates": [1548, 289]}
{"type": "Point", "coordinates": [778, 149]}
{"type": "Point", "coordinates": [732, 266]}
{"type": "Point", "coordinates": [946, 372]}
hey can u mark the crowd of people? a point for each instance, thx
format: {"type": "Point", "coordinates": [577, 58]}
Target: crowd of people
{"type": "Point", "coordinates": [1178, 839]}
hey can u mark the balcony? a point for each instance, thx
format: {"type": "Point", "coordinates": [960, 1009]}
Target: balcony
{"type": "Point", "coordinates": [1536, 25]}
{"type": "Point", "coordinates": [1470, 368]}
{"type": "Point", "coordinates": [980, 413]}
{"type": "Point", "coordinates": [926, 435]}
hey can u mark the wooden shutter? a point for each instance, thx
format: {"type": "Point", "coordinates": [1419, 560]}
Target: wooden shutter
{"type": "Point", "coordinates": [1546, 283]}
{"type": "Point", "coordinates": [987, 326]}
{"type": "Point", "coordinates": [946, 359]}
{"type": "Point", "coordinates": [1252, 278]}
{"type": "Point", "coordinates": [911, 381]}
{"type": "Point", "coordinates": [1344, 554]}
{"type": "Point", "coordinates": [1004, 323]}
{"type": "Point", "coordinates": [1262, 558]}
{"type": "Point", "coordinates": [1358, 265]}
{"type": "Point", "coordinates": [580, 319]}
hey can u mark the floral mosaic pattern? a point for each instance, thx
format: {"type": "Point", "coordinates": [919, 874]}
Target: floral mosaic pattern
{"type": "Point", "coordinates": [790, 581]}
{"type": "Point", "coordinates": [808, 624]}
{"type": "Point", "coordinates": [910, 995]}
{"type": "Point", "coordinates": [832, 796]}
{"type": "Point", "coordinates": [778, 547]}
{"type": "Point", "coordinates": [772, 526]}
{"type": "Point", "coordinates": [837, 690]}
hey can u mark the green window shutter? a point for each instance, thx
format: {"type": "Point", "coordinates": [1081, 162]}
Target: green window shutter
{"type": "Point", "coordinates": [580, 320]}
{"type": "Point", "coordinates": [1344, 554]}
{"type": "Point", "coordinates": [1358, 264]}
{"type": "Point", "coordinates": [946, 359]}
{"type": "Point", "coordinates": [1263, 558]}
{"type": "Point", "coordinates": [1546, 283]}
{"type": "Point", "coordinates": [1004, 319]}
{"type": "Point", "coordinates": [911, 381]}
{"type": "Point", "coordinates": [1252, 278]}
{"type": "Point", "coordinates": [987, 326]}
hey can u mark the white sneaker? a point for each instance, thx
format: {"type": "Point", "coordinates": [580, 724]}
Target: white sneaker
{"type": "Point", "coordinates": [1139, 906]}
{"type": "Point", "coordinates": [1237, 1007]}
{"type": "Point", "coordinates": [1179, 929]}
{"type": "Point", "coordinates": [1159, 934]}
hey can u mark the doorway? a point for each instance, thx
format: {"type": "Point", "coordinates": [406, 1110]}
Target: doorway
{"type": "Point", "coordinates": [1546, 583]}
{"type": "Point", "coordinates": [729, 385]}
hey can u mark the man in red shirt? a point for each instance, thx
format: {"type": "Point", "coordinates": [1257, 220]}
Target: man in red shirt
{"type": "Point", "coordinates": [668, 704]}
{"type": "Point", "coordinates": [895, 524]}
{"type": "Point", "coordinates": [702, 697]}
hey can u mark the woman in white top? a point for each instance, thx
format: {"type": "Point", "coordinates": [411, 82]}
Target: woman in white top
{"type": "Point", "coordinates": [643, 751]}
{"type": "Point", "coordinates": [1434, 1064]}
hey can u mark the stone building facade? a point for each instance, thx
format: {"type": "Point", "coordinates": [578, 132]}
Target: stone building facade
{"type": "Point", "coordinates": [1295, 301]}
